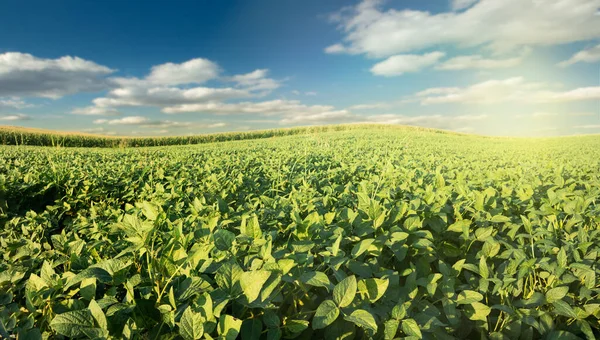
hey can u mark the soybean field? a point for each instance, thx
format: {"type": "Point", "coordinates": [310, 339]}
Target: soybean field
{"type": "Point", "coordinates": [363, 233]}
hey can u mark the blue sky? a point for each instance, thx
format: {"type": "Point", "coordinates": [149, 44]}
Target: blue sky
{"type": "Point", "coordinates": [494, 67]}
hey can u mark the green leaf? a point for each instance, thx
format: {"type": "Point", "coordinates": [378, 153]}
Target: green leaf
{"type": "Point", "coordinates": [477, 311]}
{"type": "Point", "coordinates": [361, 247]}
{"type": "Point", "coordinates": [251, 227]}
{"type": "Point", "coordinates": [149, 210]}
{"type": "Point", "coordinates": [557, 293]}
{"type": "Point", "coordinates": [228, 277]}
{"type": "Point", "coordinates": [373, 288]}
{"type": "Point", "coordinates": [274, 334]}
{"type": "Point", "coordinates": [561, 258]}
{"type": "Point", "coordinates": [296, 326]}
{"type": "Point", "coordinates": [252, 282]}
{"type": "Point", "coordinates": [467, 297]}
{"type": "Point", "coordinates": [325, 315]}
{"type": "Point", "coordinates": [229, 327]}
{"type": "Point", "coordinates": [483, 268]}
{"type": "Point", "coordinates": [72, 324]}
{"type": "Point", "coordinates": [563, 308]}
{"type": "Point", "coordinates": [98, 273]}
{"type": "Point", "coordinates": [499, 219]}
{"type": "Point", "coordinates": [98, 314]}
{"type": "Point", "coordinates": [344, 292]}
{"type": "Point", "coordinates": [459, 226]}
{"type": "Point", "coordinates": [317, 279]}
{"type": "Point", "coordinates": [191, 325]}
{"type": "Point", "coordinates": [363, 319]}
{"type": "Point", "coordinates": [390, 328]}
{"type": "Point", "coordinates": [410, 328]}
{"type": "Point", "coordinates": [251, 329]}
{"type": "Point", "coordinates": [223, 239]}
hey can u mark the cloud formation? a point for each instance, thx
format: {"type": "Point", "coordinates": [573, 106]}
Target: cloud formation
{"type": "Point", "coordinates": [494, 91]}
{"type": "Point", "coordinates": [13, 103]}
{"type": "Point", "coordinates": [498, 24]}
{"type": "Point", "coordinates": [15, 117]}
{"type": "Point", "coordinates": [24, 75]}
{"type": "Point", "coordinates": [95, 111]}
{"type": "Point", "coordinates": [398, 64]}
{"type": "Point", "coordinates": [589, 55]}
{"type": "Point", "coordinates": [478, 62]}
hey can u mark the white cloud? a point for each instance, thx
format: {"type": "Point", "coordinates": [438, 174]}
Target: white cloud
{"type": "Point", "coordinates": [515, 89]}
{"type": "Point", "coordinates": [581, 114]}
{"type": "Point", "coordinates": [537, 114]}
{"type": "Point", "coordinates": [145, 122]}
{"type": "Point", "coordinates": [194, 71]}
{"type": "Point", "coordinates": [295, 92]}
{"type": "Point", "coordinates": [359, 107]}
{"type": "Point", "coordinates": [131, 120]}
{"type": "Point", "coordinates": [24, 75]}
{"type": "Point", "coordinates": [163, 88]}
{"type": "Point", "coordinates": [166, 96]}
{"type": "Point", "coordinates": [426, 120]}
{"type": "Point", "coordinates": [310, 93]}
{"type": "Point", "coordinates": [589, 55]}
{"type": "Point", "coordinates": [335, 48]}
{"type": "Point", "coordinates": [478, 62]}
{"type": "Point", "coordinates": [320, 117]}
{"type": "Point", "coordinates": [13, 103]}
{"type": "Point", "coordinates": [15, 117]}
{"type": "Point", "coordinates": [95, 111]}
{"type": "Point", "coordinates": [399, 64]}
{"type": "Point", "coordinates": [271, 107]}
{"type": "Point", "coordinates": [256, 80]}
{"type": "Point", "coordinates": [462, 4]}
{"type": "Point", "coordinates": [499, 24]}
{"type": "Point", "coordinates": [590, 126]}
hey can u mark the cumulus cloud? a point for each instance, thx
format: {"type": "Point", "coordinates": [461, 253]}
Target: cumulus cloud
{"type": "Point", "coordinates": [359, 107]}
{"type": "Point", "coordinates": [256, 80]}
{"type": "Point", "coordinates": [478, 62]}
{"type": "Point", "coordinates": [271, 107]}
{"type": "Point", "coordinates": [174, 85]}
{"type": "Point", "coordinates": [403, 63]}
{"type": "Point", "coordinates": [462, 4]}
{"type": "Point", "coordinates": [145, 122]}
{"type": "Point", "coordinates": [589, 126]}
{"type": "Point", "coordinates": [13, 103]}
{"type": "Point", "coordinates": [429, 120]}
{"type": "Point", "coordinates": [95, 111]}
{"type": "Point", "coordinates": [499, 24]}
{"type": "Point", "coordinates": [24, 75]}
{"type": "Point", "coordinates": [194, 71]}
{"type": "Point", "coordinates": [515, 89]}
{"type": "Point", "coordinates": [15, 117]}
{"type": "Point", "coordinates": [166, 96]}
{"type": "Point", "coordinates": [131, 120]}
{"type": "Point", "coordinates": [320, 117]}
{"type": "Point", "coordinates": [589, 55]}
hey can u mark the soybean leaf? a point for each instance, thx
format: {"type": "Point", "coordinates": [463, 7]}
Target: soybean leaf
{"type": "Point", "coordinates": [363, 319]}
{"type": "Point", "coordinates": [72, 324]}
{"type": "Point", "coordinates": [191, 325]}
{"type": "Point", "coordinates": [344, 291]}
{"type": "Point", "coordinates": [325, 315]}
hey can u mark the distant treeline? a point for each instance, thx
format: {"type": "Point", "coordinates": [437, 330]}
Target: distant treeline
{"type": "Point", "coordinates": [23, 136]}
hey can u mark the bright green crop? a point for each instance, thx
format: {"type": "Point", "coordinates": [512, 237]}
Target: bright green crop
{"type": "Point", "coordinates": [355, 234]}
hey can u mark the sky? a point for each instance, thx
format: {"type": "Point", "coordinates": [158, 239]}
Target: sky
{"type": "Point", "coordinates": [161, 68]}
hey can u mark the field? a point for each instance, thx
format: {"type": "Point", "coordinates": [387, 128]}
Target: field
{"type": "Point", "coordinates": [336, 234]}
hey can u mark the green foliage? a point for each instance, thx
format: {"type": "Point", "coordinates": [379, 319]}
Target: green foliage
{"type": "Point", "coordinates": [358, 233]}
